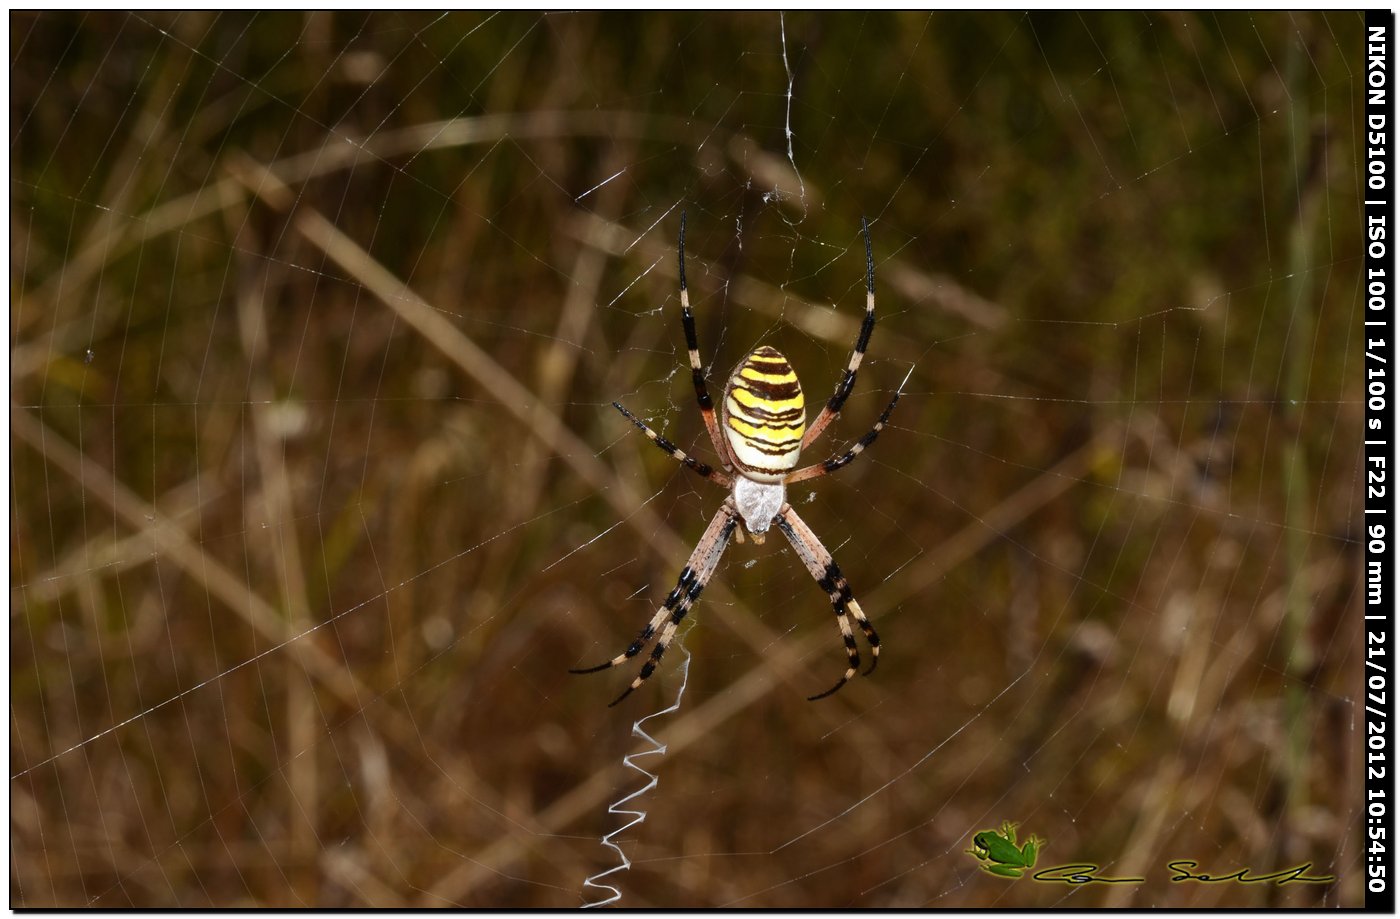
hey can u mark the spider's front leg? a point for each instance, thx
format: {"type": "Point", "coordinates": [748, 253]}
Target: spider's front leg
{"type": "Point", "coordinates": [696, 574]}
{"type": "Point", "coordinates": [829, 577]}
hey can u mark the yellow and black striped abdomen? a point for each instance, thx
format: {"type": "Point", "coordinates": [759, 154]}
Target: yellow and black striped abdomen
{"type": "Point", "coordinates": [764, 415]}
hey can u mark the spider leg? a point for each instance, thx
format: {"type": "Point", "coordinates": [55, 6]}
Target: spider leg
{"type": "Point", "coordinates": [836, 462]}
{"type": "Point", "coordinates": [697, 371]}
{"type": "Point", "coordinates": [829, 577]}
{"type": "Point", "coordinates": [704, 470]}
{"type": "Point", "coordinates": [696, 574]}
{"type": "Point", "coordinates": [848, 378]}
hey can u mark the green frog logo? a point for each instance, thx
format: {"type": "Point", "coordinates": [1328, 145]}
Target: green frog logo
{"type": "Point", "coordinates": [999, 854]}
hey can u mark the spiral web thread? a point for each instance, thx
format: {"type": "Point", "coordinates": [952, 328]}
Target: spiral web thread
{"type": "Point", "coordinates": [619, 806]}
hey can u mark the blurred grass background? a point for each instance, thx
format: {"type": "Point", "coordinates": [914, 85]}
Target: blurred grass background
{"type": "Point", "coordinates": [317, 493]}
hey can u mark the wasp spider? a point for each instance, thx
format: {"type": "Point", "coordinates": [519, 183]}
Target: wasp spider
{"type": "Point", "coordinates": [764, 425]}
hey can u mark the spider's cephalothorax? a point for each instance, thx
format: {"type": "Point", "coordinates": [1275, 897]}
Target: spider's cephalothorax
{"type": "Point", "coordinates": [765, 429]}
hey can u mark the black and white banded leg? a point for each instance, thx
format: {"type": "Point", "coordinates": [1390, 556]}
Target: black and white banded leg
{"type": "Point", "coordinates": [697, 370]}
{"type": "Point", "coordinates": [694, 577]}
{"type": "Point", "coordinates": [837, 462]}
{"type": "Point", "coordinates": [704, 470]}
{"type": "Point", "coordinates": [824, 568]}
{"type": "Point", "coordinates": [848, 378]}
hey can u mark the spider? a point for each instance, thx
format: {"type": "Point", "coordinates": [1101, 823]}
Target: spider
{"type": "Point", "coordinates": [765, 428]}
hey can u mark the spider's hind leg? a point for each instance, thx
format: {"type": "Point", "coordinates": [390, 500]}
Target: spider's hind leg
{"type": "Point", "coordinates": [704, 470]}
{"type": "Point", "coordinates": [827, 467]}
{"type": "Point", "coordinates": [848, 376]}
{"type": "Point", "coordinates": [697, 368]}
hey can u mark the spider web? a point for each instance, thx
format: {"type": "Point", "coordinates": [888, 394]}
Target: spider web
{"type": "Point", "coordinates": [317, 492]}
